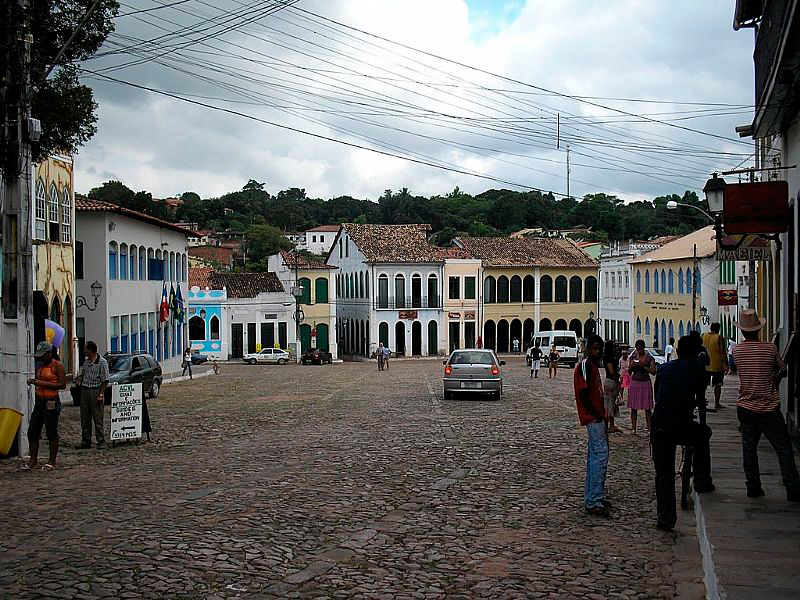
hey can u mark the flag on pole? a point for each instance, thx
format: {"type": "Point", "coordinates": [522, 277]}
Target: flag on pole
{"type": "Point", "coordinates": [180, 312]}
{"type": "Point", "coordinates": [163, 310]}
{"type": "Point", "coordinates": [172, 301]}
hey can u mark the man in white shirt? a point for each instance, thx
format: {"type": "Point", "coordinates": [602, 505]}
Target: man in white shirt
{"type": "Point", "coordinates": [669, 351]}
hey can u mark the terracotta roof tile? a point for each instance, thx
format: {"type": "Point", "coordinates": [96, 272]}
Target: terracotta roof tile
{"type": "Point", "coordinates": [84, 204]}
{"type": "Point", "coordinates": [526, 252]}
{"type": "Point", "coordinates": [303, 262]}
{"type": "Point", "coordinates": [394, 243]}
{"type": "Point", "coordinates": [221, 255]}
{"type": "Point", "coordinates": [200, 277]}
{"type": "Point", "coordinates": [326, 228]}
{"type": "Point", "coordinates": [246, 285]}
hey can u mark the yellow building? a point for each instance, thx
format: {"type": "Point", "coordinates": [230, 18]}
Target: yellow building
{"type": "Point", "coordinates": [531, 285]}
{"type": "Point", "coordinates": [461, 299]}
{"type": "Point", "coordinates": [675, 288]}
{"type": "Point", "coordinates": [54, 254]}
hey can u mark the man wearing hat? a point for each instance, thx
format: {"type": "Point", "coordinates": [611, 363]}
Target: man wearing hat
{"type": "Point", "coordinates": [759, 366]}
{"type": "Point", "coordinates": [50, 378]}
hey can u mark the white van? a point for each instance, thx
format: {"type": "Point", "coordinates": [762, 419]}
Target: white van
{"type": "Point", "coordinates": [567, 344]}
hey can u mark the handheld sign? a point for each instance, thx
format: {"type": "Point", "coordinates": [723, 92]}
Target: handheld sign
{"type": "Point", "coordinates": [126, 411]}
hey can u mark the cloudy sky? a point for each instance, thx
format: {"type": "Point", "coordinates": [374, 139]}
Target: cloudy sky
{"type": "Point", "coordinates": [352, 97]}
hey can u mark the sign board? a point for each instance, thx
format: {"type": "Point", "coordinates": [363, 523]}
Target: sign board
{"type": "Point", "coordinates": [407, 314]}
{"type": "Point", "coordinates": [759, 207]}
{"type": "Point", "coordinates": [752, 248]}
{"type": "Point", "coordinates": [126, 411]}
{"type": "Point", "coordinates": [453, 315]}
{"type": "Point", "coordinates": [469, 315]}
{"type": "Point", "coordinates": [727, 298]}
{"type": "Point", "coordinates": [258, 346]}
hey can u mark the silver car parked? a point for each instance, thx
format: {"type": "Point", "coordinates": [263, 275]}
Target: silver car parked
{"type": "Point", "coordinates": [473, 371]}
{"type": "Point", "coordinates": [268, 355]}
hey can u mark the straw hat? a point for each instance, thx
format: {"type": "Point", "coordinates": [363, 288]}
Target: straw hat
{"type": "Point", "coordinates": [750, 321]}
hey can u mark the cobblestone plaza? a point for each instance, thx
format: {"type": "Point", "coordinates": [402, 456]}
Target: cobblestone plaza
{"type": "Point", "coordinates": [340, 481]}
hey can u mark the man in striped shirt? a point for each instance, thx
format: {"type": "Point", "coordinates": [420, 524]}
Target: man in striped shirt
{"type": "Point", "coordinates": [759, 366]}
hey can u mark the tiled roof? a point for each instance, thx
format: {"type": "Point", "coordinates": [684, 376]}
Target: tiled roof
{"type": "Point", "coordinates": [200, 277]}
{"type": "Point", "coordinates": [326, 228]}
{"type": "Point", "coordinates": [453, 252]}
{"type": "Point", "coordinates": [221, 255]}
{"type": "Point", "coordinates": [683, 247]}
{"type": "Point", "coordinates": [526, 252]}
{"type": "Point", "coordinates": [393, 243]}
{"type": "Point", "coordinates": [303, 262]}
{"type": "Point", "coordinates": [84, 204]}
{"type": "Point", "coordinates": [246, 285]}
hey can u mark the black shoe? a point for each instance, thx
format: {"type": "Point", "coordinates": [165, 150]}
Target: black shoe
{"type": "Point", "coordinates": [598, 511]}
{"type": "Point", "coordinates": [704, 489]}
{"type": "Point", "coordinates": [793, 495]}
{"type": "Point", "coordinates": [606, 503]}
{"type": "Point", "coordinates": [755, 492]}
{"type": "Point", "coordinates": [83, 446]}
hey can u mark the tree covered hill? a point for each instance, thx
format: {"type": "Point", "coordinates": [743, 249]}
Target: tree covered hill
{"type": "Point", "coordinates": [493, 212]}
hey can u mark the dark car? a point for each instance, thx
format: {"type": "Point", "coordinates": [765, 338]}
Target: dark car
{"type": "Point", "coordinates": [134, 368]}
{"type": "Point", "coordinates": [198, 359]}
{"type": "Point", "coordinates": [315, 355]}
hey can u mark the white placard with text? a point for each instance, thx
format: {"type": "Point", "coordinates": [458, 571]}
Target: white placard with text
{"type": "Point", "coordinates": [126, 411]}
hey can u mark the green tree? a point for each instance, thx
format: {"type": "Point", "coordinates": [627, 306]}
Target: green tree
{"type": "Point", "coordinates": [263, 241]}
{"type": "Point", "coordinates": [114, 192]}
{"type": "Point", "coordinates": [65, 107]}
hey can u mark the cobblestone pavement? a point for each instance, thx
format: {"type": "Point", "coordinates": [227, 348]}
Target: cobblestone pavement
{"type": "Point", "coordinates": [340, 481]}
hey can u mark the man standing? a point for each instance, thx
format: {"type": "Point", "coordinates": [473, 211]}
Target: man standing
{"type": "Point", "coordinates": [718, 361]}
{"type": "Point", "coordinates": [93, 380]}
{"type": "Point", "coordinates": [678, 387]}
{"type": "Point", "coordinates": [669, 351]}
{"type": "Point", "coordinates": [50, 378]}
{"type": "Point", "coordinates": [536, 361]}
{"type": "Point", "coordinates": [759, 366]}
{"type": "Point", "coordinates": [379, 354]}
{"type": "Point", "coordinates": [592, 414]}
{"type": "Point", "coordinates": [386, 354]}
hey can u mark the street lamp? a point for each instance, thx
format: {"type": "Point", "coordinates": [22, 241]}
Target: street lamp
{"type": "Point", "coordinates": [715, 193]}
{"type": "Point", "coordinates": [715, 197]}
{"type": "Point", "coordinates": [96, 289]}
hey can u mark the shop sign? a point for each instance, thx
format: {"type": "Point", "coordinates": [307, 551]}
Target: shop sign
{"type": "Point", "coordinates": [408, 314]}
{"type": "Point", "coordinates": [453, 315]}
{"type": "Point", "coordinates": [727, 298]}
{"type": "Point", "coordinates": [752, 248]}
{"type": "Point", "coordinates": [759, 207]}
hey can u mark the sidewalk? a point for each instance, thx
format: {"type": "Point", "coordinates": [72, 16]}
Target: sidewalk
{"type": "Point", "coordinates": [751, 548]}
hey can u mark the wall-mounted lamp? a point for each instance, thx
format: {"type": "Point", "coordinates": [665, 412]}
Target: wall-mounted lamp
{"type": "Point", "coordinates": [112, 225]}
{"type": "Point", "coordinates": [96, 289]}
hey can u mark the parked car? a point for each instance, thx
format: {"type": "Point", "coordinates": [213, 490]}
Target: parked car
{"type": "Point", "coordinates": [197, 358]}
{"type": "Point", "coordinates": [658, 355]}
{"type": "Point", "coordinates": [134, 368]}
{"type": "Point", "coordinates": [566, 342]}
{"type": "Point", "coordinates": [268, 355]}
{"type": "Point", "coordinates": [473, 371]}
{"type": "Point", "coordinates": [315, 355]}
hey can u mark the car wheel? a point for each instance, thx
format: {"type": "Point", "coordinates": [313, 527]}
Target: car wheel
{"type": "Point", "coordinates": [154, 389]}
{"type": "Point", "coordinates": [251, 361]}
{"type": "Point", "coordinates": [448, 395]}
{"type": "Point", "coordinates": [281, 361]}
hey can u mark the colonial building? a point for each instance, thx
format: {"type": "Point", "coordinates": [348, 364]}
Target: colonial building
{"type": "Point", "coordinates": [208, 316]}
{"type": "Point", "coordinates": [318, 301]}
{"type": "Point", "coordinates": [389, 289]}
{"type": "Point", "coordinates": [320, 239]}
{"type": "Point", "coordinates": [461, 307]}
{"type": "Point", "coordinates": [532, 284]}
{"type": "Point", "coordinates": [123, 260]}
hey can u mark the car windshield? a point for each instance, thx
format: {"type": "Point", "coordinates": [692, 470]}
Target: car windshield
{"type": "Point", "coordinates": [119, 363]}
{"type": "Point", "coordinates": [569, 342]}
{"type": "Point", "coordinates": [471, 358]}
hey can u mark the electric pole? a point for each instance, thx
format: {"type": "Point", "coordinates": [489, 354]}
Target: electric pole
{"type": "Point", "coordinates": [567, 171]}
{"type": "Point", "coordinates": [18, 130]}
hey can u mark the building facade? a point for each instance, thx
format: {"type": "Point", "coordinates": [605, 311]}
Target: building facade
{"type": "Point", "coordinates": [461, 312]}
{"type": "Point", "coordinates": [123, 261]}
{"type": "Point", "coordinates": [320, 239]}
{"type": "Point", "coordinates": [208, 318]}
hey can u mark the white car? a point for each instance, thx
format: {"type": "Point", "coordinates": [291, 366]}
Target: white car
{"type": "Point", "coordinates": [268, 355]}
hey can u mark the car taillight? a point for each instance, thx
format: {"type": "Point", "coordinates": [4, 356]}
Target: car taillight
{"type": "Point", "coordinates": [448, 370]}
{"type": "Point", "coordinates": [495, 370]}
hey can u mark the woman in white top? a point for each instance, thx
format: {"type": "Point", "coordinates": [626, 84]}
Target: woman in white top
{"type": "Point", "coordinates": [187, 362]}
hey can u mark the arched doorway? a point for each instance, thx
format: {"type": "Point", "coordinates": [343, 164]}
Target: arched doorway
{"type": "Point", "coordinates": [416, 338]}
{"type": "Point", "coordinates": [575, 325]}
{"type": "Point", "coordinates": [489, 333]}
{"type": "Point", "coordinates": [433, 338]}
{"type": "Point", "coordinates": [528, 330]}
{"type": "Point", "coordinates": [516, 331]}
{"type": "Point", "coordinates": [545, 325]}
{"type": "Point", "coordinates": [400, 339]}
{"type": "Point", "coordinates": [383, 334]}
{"type": "Point", "coordinates": [561, 324]}
{"type": "Point", "coordinates": [502, 335]}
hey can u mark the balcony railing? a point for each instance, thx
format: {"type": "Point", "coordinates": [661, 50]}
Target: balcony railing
{"type": "Point", "coordinates": [407, 302]}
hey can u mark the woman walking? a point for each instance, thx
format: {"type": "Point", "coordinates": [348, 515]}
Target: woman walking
{"type": "Point", "coordinates": [640, 395]}
{"type": "Point", "coordinates": [624, 375]}
{"type": "Point", "coordinates": [611, 386]}
{"type": "Point", "coordinates": [552, 364]}
{"type": "Point", "coordinates": [187, 362]}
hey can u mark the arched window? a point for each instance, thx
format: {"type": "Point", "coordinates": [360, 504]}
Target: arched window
{"type": "Point", "coordinates": [546, 289]}
{"type": "Point", "coordinates": [40, 229]}
{"type": "Point", "coordinates": [671, 329]}
{"type": "Point", "coordinates": [172, 273]}
{"type": "Point", "coordinates": [360, 286]}
{"type": "Point", "coordinates": [647, 326]}
{"type": "Point", "coordinates": [647, 281]}
{"type": "Point", "coordinates": [123, 261]}
{"type": "Point", "coordinates": [416, 291]}
{"type": "Point", "coordinates": [689, 286]}
{"type": "Point", "coordinates": [184, 262]}
{"type": "Point", "coordinates": [680, 281]}
{"type": "Point", "coordinates": [399, 291]}
{"type": "Point", "coordinates": [698, 280]}
{"type": "Point", "coordinates": [663, 281]}
{"type": "Point", "coordinates": [433, 338]}
{"type": "Point", "coordinates": [366, 284]}
{"type": "Point", "coordinates": [66, 217]}
{"type": "Point", "coordinates": [545, 325]}
{"type": "Point", "coordinates": [575, 289]}
{"type": "Point", "coordinates": [112, 260]}
{"type": "Point", "coordinates": [560, 324]}
{"type": "Point", "coordinates": [383, 333]}
{"type": "Point", "coordinates": [321, 290]}
{"type": "Point", "coordinates": [151, 257]}
{"type": "Point", "coordinates": [305, 283]}
{"type": "Point", "coordinates": [590, 289]}
{"type": "Point", "coordinates": [655, 332]}
{"type": "Point", "coordinates": [656, 287]}
{"type": "Point", "coordinates": [561, 289]}
{"type": "Point", "coordinates": [671, 282]}
{"type": "Point", "coordinates": [489, 290]}
{"type": "Point", "coordinates": [383, 294]}
{"type": "Point", "coordinates": [134, 255]}
{"type": "Point", "coordinates": [529, 289]}
{"type": "Point", "coordinates": [515, 294]}
{"type": "Point", "coordinates": [638, 326]}
{"type": "Point", "coordinates": [680, 327]}
{"type": "Point", "coordinates": [197, 329]}
{"type": "Point", "coordinates": [213, 327]}
{"type": "Point", "coordinates": [433, 291]}
{"type": "Point", "coordinates": [502, 289]}
{"type": "Point", "coordinates": [638, 281]}
{"type": "Point", "coordinates": [54, 228]}
{"type": "Point", "coordinates": [161, 267]}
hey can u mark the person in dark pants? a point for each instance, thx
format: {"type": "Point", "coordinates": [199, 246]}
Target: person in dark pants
{"type": "Point", "coordinates": [93, 380]}
{"type": "Point", "coordinates": [758, 408]}
{"type": "Point", "coordinates": [50, 378]}
{"type": "Point", "coordinates": [679, 384]}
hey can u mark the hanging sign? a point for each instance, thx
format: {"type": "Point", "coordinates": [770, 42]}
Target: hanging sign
{"type": "Point", "coordinates": [759, 207]}
{"type": "Point", "coordinates": [126, 411]}
{"type": "Point", "coordinates": [727, 298]}
{"type": "Point", "coordinates": [752, 247]}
